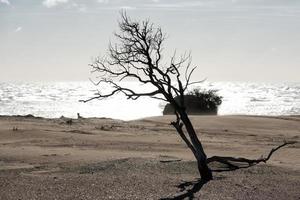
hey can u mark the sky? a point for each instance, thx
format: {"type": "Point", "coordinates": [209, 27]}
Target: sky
{"type": "Point", "coordinates": [229, 40]}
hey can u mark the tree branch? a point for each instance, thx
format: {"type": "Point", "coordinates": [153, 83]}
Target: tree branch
{"type": "Point", "coordinates": [250, 162]}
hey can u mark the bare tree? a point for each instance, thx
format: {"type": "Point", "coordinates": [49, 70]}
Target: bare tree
{"type": "Point", "coordinates": [138, 56]}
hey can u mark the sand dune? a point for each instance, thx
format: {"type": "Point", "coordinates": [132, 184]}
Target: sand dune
{"type": "Point", "coordinates": [104, 158]}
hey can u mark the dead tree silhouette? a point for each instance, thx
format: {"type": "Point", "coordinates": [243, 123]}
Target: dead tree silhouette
{"type": "Point", "coordinates": [138, 56]}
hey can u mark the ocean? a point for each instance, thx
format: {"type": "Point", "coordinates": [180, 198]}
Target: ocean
{"type": "Point", "coordinates": [56, 99]}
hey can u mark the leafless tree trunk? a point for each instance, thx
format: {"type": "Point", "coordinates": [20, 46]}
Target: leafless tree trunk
{"type": "Point", "coordinates": [193, 143]}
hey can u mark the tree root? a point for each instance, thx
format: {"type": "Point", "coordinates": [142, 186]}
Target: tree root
{"type": "Point", "coordinates": [250, 162]}
{"type": "Point", "coordinates": [197, 185]}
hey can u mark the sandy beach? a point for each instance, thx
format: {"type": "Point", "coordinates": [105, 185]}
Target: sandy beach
{"type": "Point", "coordinates": [100, 158]}
{"type": "Point", "coordinates": [149, 100]}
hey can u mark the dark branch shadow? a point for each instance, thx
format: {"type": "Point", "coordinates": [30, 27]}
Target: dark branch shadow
{"type": "Point", "coordinates": [223, 164]}
{"type": "Point", "coordinates": [188, 189]}
{"type": "Point", "coordinates": [188, 193]}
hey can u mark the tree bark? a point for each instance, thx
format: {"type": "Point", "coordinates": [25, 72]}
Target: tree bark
{"type": "Point", "coordinates": [205, 172]}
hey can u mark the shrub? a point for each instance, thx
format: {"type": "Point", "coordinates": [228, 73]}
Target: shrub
{"type": "Point", "coordinates": [207, 98]}
{"type": "Point", "coordinates": [198, 102]}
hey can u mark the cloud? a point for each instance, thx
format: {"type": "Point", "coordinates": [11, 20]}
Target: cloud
{"type": "Point", "coordinates": [18, 29]}
{"type": "Point", "coordinates": [5, 2]}
{"type": "Point", "coordinates": [53, 3]}
{"type": "Point", "coordinates": [196, 4]}
{"type": "Point", "coordinates": [103, 1]}
{"type": "Point", "coordinates": [79, 7]}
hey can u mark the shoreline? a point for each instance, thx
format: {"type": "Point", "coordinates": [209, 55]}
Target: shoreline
{"type": "Point", "coordinates": [156, 116]}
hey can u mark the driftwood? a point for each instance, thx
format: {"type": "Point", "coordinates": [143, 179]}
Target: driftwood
{"type": "Point", "coordinates": [228, 160]}
{"type": "Point", "coordinates": [168, 161]}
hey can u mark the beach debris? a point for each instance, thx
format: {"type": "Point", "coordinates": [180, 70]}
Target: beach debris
{"type": "Point", "coordinates": [106, 127]}
{"type": "Point", "coordinates": [66, 120]}
{"type": "Point", "coordinates": [79, 116]}
{"type": "Point", "coordinates": [232, 161]}
{"type": "Point", "coordinates": [46, 155]}
{"type": "Point", "coordinates": [168, 161]}
{"type": "Point", "coordinates": [69, 121]}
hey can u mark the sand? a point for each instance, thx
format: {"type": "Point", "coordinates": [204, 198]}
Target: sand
{"type": "Point", "coordinates": [99, 158]}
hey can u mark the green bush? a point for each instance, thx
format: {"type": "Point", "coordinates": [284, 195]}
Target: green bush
{"type": "Point", "coordinates": [198, 102]}
{"type": "Point", "coordinates": [207, 99]}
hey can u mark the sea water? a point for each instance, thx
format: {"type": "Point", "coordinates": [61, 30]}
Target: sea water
{"type": "Point", "coordinates": [56, 99]}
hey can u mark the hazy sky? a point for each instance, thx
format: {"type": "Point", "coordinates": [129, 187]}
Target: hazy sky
{"type": "Point", "coordinates": [230, 40]}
